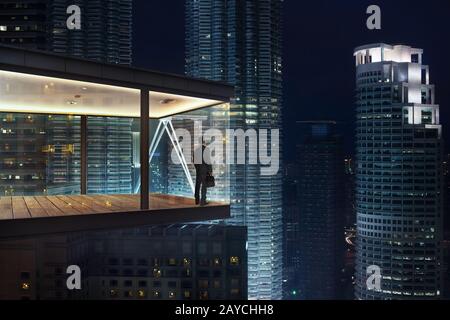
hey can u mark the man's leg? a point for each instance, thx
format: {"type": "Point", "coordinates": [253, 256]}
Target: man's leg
{"type": "Point", "coordinates": [203, 200]}
{"type": "Point", "coordinates": [197, 189]}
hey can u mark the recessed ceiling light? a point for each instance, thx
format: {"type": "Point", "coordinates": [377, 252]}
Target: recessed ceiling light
{"type": "Point", "coordinates": [72, 102]}
{"type": "Point", "coordinates": [167, 101]}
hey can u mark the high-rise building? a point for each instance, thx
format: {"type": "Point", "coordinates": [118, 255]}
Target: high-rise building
{"type": "Point", "coordinates": [321, 211]}
{"type": "Point", "coordinates": [33, 268]}
{"type": "Point", "coordinates": [24, 23]}
{"type": "Point", "coordinates": [399, 187]}
{"type": "Point", "coordinates": [105, 33]}
{"type": "Point", "coordinates": [291, 236]}
{"type": "Point", "coordinates": [239, 42]}
{"type": "Point", "coordinates": [180, 262]}
{"type": "Point", "coordinates": [49, 162]}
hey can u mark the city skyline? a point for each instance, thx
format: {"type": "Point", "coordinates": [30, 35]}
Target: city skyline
{"type": "Point", "coordinates": [311, 32]}
{"type": "Point", "coordinates": [359, 208]}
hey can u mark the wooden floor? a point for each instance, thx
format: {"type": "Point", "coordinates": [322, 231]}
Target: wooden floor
{"type": "Point", "coordinates": [65, 213]}
{"type": "Point", "coordinates": [53, 206]}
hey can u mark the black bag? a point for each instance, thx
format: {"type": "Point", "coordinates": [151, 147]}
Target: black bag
{"type": "Point", "coordinates": [210, 181]}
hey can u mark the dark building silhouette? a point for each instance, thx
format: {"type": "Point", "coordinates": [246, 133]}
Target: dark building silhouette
{"type": "Point", "coordinates": [291, 240]}
{"type": "Point", "coordinates": [33, 268]}
{"type": "Point", "coordinates": [105, 33]}
{"type": "Point", "coordinates": [321, 213]}
{"type": "Point", "coordinates": [180, 262]}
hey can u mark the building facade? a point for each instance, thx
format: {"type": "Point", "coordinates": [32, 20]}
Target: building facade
{"type": "Point", "coordinates": [291, 235]}
{"type": "Point", "coordinates": [105, 34]}
{"type": "Point", "coordinates": [239, 42]}
{"type": "Point", "coordinates": [180, 262]}
{"type": "Point", "coordinates": [399, 187]}
{"type": "Point", "coordinates": [321, 216]}
{"type": "Point", "coordinates": [33, 268]}
{"type": "Point", "coordinates": [49, 163]}
{"type": "Point", "coordinates": [24, 23]}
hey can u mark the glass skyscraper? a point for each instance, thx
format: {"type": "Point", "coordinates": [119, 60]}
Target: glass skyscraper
{"type": "Point", "coordinates": [239, 42]}
{"type": "Point", "coordinates": [105, 33]}
{"type": "Point", "coordinates": [49, 163]}
{"type": "Point", "coordinates": [399, 187]}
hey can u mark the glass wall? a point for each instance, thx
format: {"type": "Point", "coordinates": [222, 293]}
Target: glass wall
{"type": "Point", "coordinates": [112, 148]}
{"type": "Point", "coordinates": [208, 125]}
{"type": "Point", "coordinates": [39, 154]}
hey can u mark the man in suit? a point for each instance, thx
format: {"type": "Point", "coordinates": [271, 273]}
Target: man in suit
{"type": "Point", "coordinates": [202, 170]}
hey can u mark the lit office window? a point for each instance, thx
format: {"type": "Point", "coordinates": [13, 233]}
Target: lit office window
{"type": "Point", "coordinates": [234, 261]}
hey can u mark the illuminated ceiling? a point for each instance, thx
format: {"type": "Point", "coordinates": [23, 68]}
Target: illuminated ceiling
{"type": "Point", "coordinates": [28, 93]}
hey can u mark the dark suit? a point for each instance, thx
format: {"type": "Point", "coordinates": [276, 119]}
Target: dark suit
{"type": "Point", "coordinates": [202, 170]}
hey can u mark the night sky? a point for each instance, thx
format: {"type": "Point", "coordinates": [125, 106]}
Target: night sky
{"type": "Point", "coordinates": [319, 38]}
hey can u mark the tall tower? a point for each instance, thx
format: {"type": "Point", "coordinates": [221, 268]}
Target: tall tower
{"type": "Point", "coordinates": [105, 33]}
{"type": "Point", "coordinates": [239, 42]}
{"type": "Point", "coordinates": [399, 187]}
{"type": "Point", "coordinates": [320, 219]}
{"type": "Point", "coordinates": [50, 164]}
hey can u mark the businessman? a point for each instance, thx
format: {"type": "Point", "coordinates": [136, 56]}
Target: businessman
{"type": "Point", "coordinates": [202, 170]}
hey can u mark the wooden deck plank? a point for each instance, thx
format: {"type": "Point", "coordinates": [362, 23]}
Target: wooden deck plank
{"type": "Point", "coordinates": [35, 208]}
{"type": "Point", "coordinates": [65, 208]}
{"type": "Point", "coordinates": [20, 209]}
{"type": "Point", "coordinates": [6, 208]}
{"type": "Point", "coordinates": [77, 205]}
{"type": "Point", "coordinates": [121, 202]}
{"type": "Point", "coordinates": [102, 203]}
{"type": "Point", "coordinates": [158, 201]}
{"type": "Point", "coordinates": [113, 202]}
{"type": "Point", "coordinates": [83, 209]}
{"type": "Point", "coordinates": [48, 206]}
{"type": "Point", "coordinates": [90, 202]}
{"type": "Point", "coordinates": [131, 198]}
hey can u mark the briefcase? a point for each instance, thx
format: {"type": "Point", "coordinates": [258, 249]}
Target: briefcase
{"type": "Point", "coordinates": [210, 181]}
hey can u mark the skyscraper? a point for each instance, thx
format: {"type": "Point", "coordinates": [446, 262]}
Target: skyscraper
{"type": "Point", "coordinates": [291, 236]}
{"type": "Point", "coordinates": [239, 42]}
{"type": "Point", "coordinates": [321, 211]}
{"type": "Point", "coordinates": [105, 33]}
{"type": "Point", "coordinates": [50, 163]}
{"type": "Point", "coordinates": [23, 23]}
{"type": "Point", "coordinates": [176, 262]}
{"type": "Point", "coordinates": [399, 187]}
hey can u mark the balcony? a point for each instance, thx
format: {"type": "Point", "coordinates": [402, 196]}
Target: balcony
{"type": "Point", "coordinates": [71, 135]}
{"type": "Point", "coordinates": [36, 215]}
